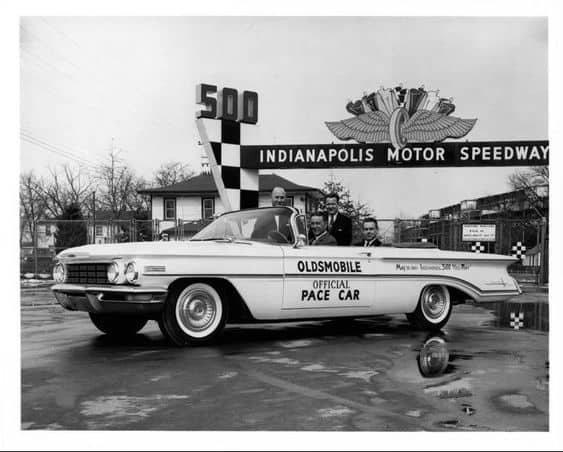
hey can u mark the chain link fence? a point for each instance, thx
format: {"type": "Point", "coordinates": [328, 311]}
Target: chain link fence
{"type": "Point", "coordinates": [528, 240]}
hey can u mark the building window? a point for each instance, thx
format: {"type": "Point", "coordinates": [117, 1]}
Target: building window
{"type": "Point", "coordinates": [170, 209]}
{"type": "Point", "coordinates": [289, 201]}
{"type": "Point", "coordinates": [207, 208]}
{"type": "Point", "coordinates": [99, 230]}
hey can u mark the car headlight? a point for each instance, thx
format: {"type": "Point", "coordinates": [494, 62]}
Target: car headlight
{"type": "Point", "coordinates": [114, 271]}
{"type": "Point", "coordinates": [59, 273]}
{"type": "Point", "coordinates": [131, 273]}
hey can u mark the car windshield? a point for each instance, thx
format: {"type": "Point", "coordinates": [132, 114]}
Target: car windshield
{"type": "Point", "coordinates": [264, 225]}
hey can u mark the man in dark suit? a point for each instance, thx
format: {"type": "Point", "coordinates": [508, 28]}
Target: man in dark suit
{"type": "Point", "coordinates": [274, 226]}
{"type": "Point", "coordinates": [369, 231]}
{"type": "Point", "coordinates": [321, 237]}
{"type": "Point", "coordinates": [339, 225]}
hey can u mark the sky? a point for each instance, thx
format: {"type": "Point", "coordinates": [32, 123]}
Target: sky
{"type": "Point", "coordinates": [88, 84]}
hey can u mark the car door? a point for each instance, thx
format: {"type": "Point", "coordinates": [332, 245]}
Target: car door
{"type": "Point", "coordinates": [328, 281]}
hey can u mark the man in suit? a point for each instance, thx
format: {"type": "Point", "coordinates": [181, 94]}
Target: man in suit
{"type": "Point", "coordinates": [369, 231]}
{"type": "Point", "coordinates": [274, 227]}
{"type": "Point", "coordinates": [339, 225]}
{"type": "Point", "coordinates": [321, 236]}
{"type": "Point", "coordinates": [278, 197]}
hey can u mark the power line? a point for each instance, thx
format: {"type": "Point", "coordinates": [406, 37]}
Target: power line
{"type": "Point", "coordinates": [58, 147]}
{"type": "Point", "coordinates": [88, 168]}
{"type": "Point", "coordinates": [131, 87]}
{"type": "Point", "coordinates": [42, 63]}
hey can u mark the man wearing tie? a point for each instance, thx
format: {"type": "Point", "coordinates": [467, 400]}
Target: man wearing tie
{"type": "Point", "coordinates": [274, 227]}
{"type": "Point", "coordinates": [369, 231]}
{"type": "Point", "coordinates": [339, 225]}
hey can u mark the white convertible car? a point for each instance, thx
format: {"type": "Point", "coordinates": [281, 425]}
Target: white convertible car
{"type": "Point", "coordinates": [255, 266]}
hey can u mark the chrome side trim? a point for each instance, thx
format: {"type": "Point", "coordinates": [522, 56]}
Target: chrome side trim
{"type": "Point", "coordinates": [78, 289]}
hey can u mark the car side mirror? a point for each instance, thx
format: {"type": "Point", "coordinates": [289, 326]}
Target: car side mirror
{"type": "Point", "coordinates": [301, 241]}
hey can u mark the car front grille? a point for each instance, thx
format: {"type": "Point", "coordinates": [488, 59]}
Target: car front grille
{"type": "Point", "coordinates": [87, 274]}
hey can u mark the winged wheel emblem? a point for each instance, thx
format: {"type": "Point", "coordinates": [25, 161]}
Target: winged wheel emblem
{"type": "Point", "coordinates": [400, 116]}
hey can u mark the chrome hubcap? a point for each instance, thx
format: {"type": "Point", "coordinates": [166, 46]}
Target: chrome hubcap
{"type": "Point", "coordinates": [197, 310]}
{"type": "Point", "coordinates": [434, 302]}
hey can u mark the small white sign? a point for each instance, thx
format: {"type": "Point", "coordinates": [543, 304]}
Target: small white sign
{"type": "Point", "coordinates": [479, 232]}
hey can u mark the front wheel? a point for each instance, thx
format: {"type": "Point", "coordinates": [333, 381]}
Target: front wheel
{"type": "Point", "coordinates": [193, 314]}
{"type": "Point", "coordinates": [118, 325]}
{"type": "Point", "coordinates": [433, 309]}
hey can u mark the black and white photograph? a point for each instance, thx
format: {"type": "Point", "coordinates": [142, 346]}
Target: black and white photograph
{"type": "Point", "coordinates": [283, 223]}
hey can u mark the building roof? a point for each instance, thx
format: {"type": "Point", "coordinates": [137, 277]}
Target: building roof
{"type": "Point", "coordinates": [204, 183]}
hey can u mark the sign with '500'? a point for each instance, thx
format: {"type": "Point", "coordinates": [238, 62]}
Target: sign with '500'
{"type": "Point", "coordinates": [228, 104]}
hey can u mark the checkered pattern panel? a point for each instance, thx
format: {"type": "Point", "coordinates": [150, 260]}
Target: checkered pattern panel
{"type": "Point", "coordinates": [517, 320]}
{"type": "Point", "coordinates": [222, 143]}
{"type": "Point", "coordinates": [477, 247]}
{"type": "Point", "coordinates": [518, 250]}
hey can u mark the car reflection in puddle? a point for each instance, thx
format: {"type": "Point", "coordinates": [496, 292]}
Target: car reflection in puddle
{"type": "Point", "coordinates": [518, 316]}
{"type": "Point", "coordinates": [433, 357]}
{"type": "Point", "coordinates": [495, 372]}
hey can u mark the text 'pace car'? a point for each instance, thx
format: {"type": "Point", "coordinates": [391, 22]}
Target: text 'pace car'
{"type": "Point", "coordinates": [255, 266]}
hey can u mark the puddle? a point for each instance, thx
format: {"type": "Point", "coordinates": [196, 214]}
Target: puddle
{"type": "Point", "coordinates": [105, 411]}
{"type": "Point", "coordinates": [334, 412]}
{"type": "Point", "coordinates": [433, 357]}
{"type": "Point", "coordinates": [515, 403]}
{"type": "Point", "coordinates": [520, 316]}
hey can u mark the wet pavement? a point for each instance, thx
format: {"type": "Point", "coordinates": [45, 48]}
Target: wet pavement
{"type": "Point", "coordinates": [487, 370]}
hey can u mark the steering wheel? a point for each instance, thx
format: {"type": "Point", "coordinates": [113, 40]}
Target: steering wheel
{"type": "Point", "coordinates": [277, 237]}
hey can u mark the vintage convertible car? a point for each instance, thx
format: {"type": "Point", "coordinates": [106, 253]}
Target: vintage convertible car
{"type": "Point", "coordinates": [255, 266]}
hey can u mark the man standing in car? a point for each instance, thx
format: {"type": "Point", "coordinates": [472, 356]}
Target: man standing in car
{"type": "Point", "coordinates": [278, 197]}
{"type": "Point", "coordinates": [271, 226]}
{"type": "Point", "coordinates": [339, 225]}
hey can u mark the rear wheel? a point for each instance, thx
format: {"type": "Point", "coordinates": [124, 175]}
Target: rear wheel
{"type": "Point", "coordinates": [193, 313]}
{"type": "Point", "coordinates": [433, 310]}
{"type": "Point", "coordinates": [118, 325]}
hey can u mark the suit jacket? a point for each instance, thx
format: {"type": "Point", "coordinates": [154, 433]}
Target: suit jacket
{"type": "Point", "coordinates": [374, 242]}
{"type": "Point", "coordinates": [325, 239]}
{"type": "Point", "coordinates": [266, 224]}
{"type": "Point", "coordinates": [341, 230]}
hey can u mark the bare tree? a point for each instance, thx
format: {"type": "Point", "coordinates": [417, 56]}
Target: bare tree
{"type": "Point", "coordinates": [65, 186]}
{"type": "Point", "coordinates": [117, 187]}
{"type": "Point", "coordinates": [171, 173]}
{"type": "Point", "coordinates": [534, 183]}
{"type": "Point", "coordinates": [32, 205]}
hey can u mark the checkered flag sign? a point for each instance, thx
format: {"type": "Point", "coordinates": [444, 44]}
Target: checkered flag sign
{"type": "Point", "coordinates": [518, 250]}
{"type": "Point", "coordinates": [517, 320]}
{"type": "Point", "coordinates": [238, 187]}
{"type": "Point", "coordinates": [477, 247]}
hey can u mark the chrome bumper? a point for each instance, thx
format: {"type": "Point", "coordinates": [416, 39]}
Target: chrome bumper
{"type": "Point", "coordinates": [110, 299]}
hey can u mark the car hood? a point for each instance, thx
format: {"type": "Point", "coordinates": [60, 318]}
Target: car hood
{"type": "Point", "coordinates": [113, 250]}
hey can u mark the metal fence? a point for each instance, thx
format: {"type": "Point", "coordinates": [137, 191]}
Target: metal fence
{"type": "Point", "coordinates": [526, 239]}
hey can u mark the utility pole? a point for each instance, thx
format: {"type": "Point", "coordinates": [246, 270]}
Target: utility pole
{"type": "Point", "coordinates": [94, 216]}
